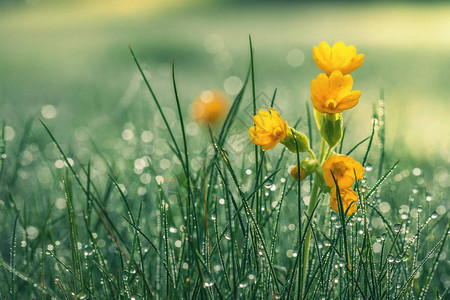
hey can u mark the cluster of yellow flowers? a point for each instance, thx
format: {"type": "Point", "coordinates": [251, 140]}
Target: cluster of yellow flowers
{"type": "Point", "coordinates": [331, 94]}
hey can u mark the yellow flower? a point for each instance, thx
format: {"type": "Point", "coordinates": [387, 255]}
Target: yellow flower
{"type": "Point", "coordinates": [333, 94]}
{"type": "Point", "coordinates": [347, 196]}
{"type": "Point", "coordinates": [294, 173]}
{"type": "Point", "coordinates": [339, 57]}
{"type": "Point", "coordinates": [210, 106]}
{"type": "Point", "coordinates": [344, 169]}
{"type": "Point", "coordinates": [269, 129]}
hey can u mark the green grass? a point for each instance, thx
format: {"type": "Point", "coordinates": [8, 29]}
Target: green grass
{"type": "Point", "coordinates": [90, 208]}
{"type": "Point", "coordinates": [224, 228]}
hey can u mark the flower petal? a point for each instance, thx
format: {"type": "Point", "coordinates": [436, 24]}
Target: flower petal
{"type": "Point", "coordinates": [344, 181]}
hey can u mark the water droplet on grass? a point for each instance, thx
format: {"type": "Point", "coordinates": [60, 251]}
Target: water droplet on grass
{"type": "Point", "coordinates": [390, 258]}
{"type": "Point", "coordinates": [268, 185]}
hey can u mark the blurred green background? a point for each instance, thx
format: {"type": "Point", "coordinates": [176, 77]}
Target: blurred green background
{"type": "Point", "coordinates": [73, 56]}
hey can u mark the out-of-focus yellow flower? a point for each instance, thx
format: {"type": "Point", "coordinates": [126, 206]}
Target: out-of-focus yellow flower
{"type": "Point", "coordinates": [347, 196]}
{"type": "Point", "coordinates": [333, 94]}
{"type": "Point", "coordinates": [344, 169]}
{"type": "Point", "coordinates": [294, 173]}
{"type": "Point", "coordinates": [269, 129]}
{"type": "Point", "coordinates": [210, 106]}
{"type": "Point", "coordinates": [339, 57]}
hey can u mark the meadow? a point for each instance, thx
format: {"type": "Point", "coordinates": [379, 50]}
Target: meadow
{"type": "Point", "coordinates": [110, 188]}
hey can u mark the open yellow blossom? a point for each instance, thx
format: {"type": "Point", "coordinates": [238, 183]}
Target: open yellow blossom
{"type": "Point", "coordinates": [347, 196]}
{"type": "Point", "coordinates": [269, 129]}
{"type": "Point", "coordinates": [333, 94]}
{"type": "Point", "coordinates": [344, 169]}
{"type": "Point", "coordinates": [339, 57]}
{"type": "Point", "coordinates": [210, 106]}
{"type": "Point", "coordinates": [294, 173]}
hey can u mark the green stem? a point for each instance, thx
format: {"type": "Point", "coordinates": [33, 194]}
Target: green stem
{"type": "Point", "coordinates": [311, 153]}
{"type": "Point", "coordinates": [312, 204]}
{"type": "Point", "coordinates": [322, 151]}
{"type": "Point", "coordinates": [328, 153]}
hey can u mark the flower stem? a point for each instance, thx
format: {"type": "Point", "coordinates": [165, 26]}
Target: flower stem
{"type": "Point", "coordinates": [322, 151]}
{"type": "Point", "coordinates": [312, 204]}
{"type": "Point", "coordinates": [328, 153]}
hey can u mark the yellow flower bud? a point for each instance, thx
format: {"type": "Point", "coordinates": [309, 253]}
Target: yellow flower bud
{"type": "Point", "coordinates": [294, 173]}
{"type": "Point", "coordinates": [307, 166]}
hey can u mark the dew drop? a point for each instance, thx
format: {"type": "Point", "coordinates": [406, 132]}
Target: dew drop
{"type": "Point", "coordinates": [242, 285]}
{"type": "Point", "coordinates": [268, 185]}
{"type": "Point", "coordinates": [390, 258]}
{"type": "Point", "coordinates": [337, 225]}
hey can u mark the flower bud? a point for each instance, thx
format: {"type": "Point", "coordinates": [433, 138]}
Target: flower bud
{"type": "Point", "coordinates": [318, 116]}
{"type": "Point", "coordinates": [331, 129]}
{"type": "Point", "coordinates": [309, 165]}
{"type": "Point", "coordinates": [293, 137]}
{"type": "Point", "coordinates": [294, 173]}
